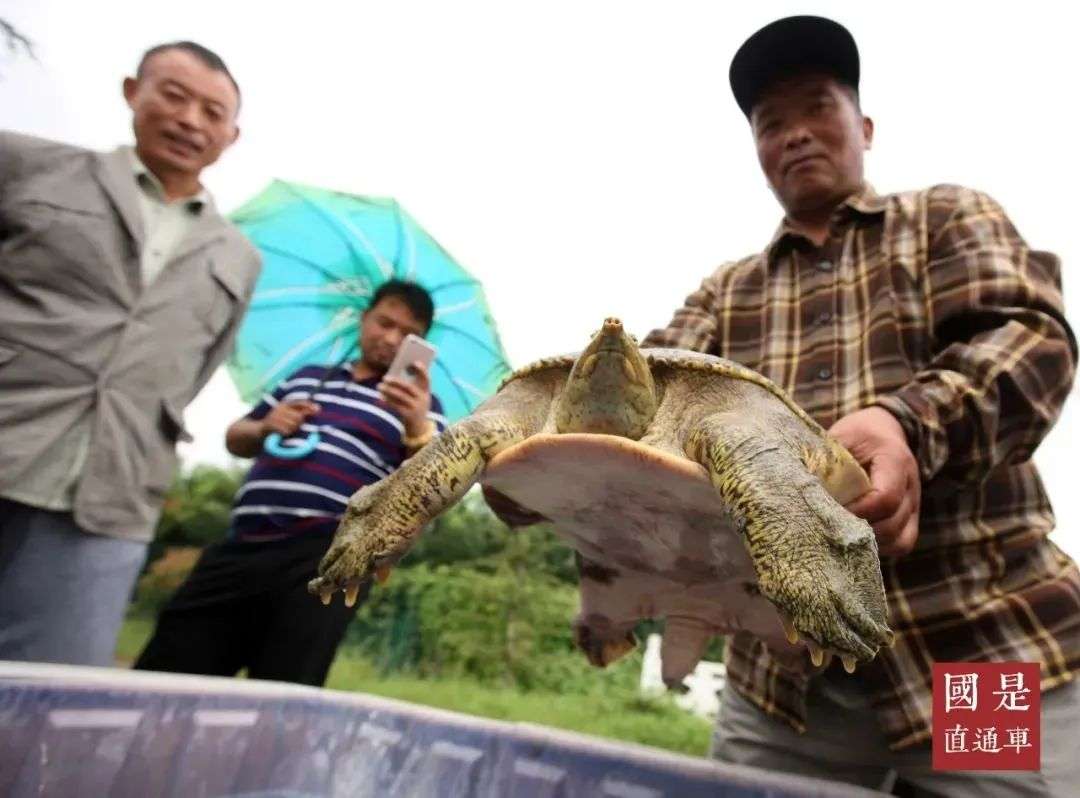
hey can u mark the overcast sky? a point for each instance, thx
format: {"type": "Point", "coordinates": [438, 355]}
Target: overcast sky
{"type": "Point", "coordinates": [583, 159]}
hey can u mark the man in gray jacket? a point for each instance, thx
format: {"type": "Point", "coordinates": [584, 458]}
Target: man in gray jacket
{"type": "Point", "coordinates": [121, 288]}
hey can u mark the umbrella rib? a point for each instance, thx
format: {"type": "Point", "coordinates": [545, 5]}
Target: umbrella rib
{"type": "Point", "coordinates": [336, 222]}
{"type": "Point", "coordinates": [454, 284]}
{"type": "Point", "coordinates": [306, 345]}
{"type": "Point", "coordinates": [313, 297]}
{"type": "Point", "coordinates": [469, 387]}
{"type": "Point", "coordinates": [498, 355]}
{"type": "Point", "coordinates": [300, 259]}
{"type": "Point", "coordinates": [447, 310]}
{"type": "Point", "coordinates": [321, 213]}
{"type": "Point", "coordinates": [405, 245]}
{"type": "Point", "coordinates": [461, 394]}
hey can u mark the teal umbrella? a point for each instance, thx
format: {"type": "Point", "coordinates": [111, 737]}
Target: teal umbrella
{"type": "Point", "coordinates": [324, 255]}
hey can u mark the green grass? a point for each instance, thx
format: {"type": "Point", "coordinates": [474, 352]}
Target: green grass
{"type": "Point", "coordinates": [133, 636]}
{"type": "Point", "coordinates": [618, 714]}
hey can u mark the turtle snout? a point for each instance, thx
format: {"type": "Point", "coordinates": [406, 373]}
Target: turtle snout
{"type": "Point", "coordinates": [612, 325]}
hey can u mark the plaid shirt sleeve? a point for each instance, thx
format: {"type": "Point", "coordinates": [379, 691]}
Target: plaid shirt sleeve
{"type": "Point", "coordinates": [1002, 355]}
{"type": "Point", "coordinates": [694, 325]}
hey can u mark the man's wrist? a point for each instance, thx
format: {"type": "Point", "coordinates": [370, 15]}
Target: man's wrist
{"type": "Point", "coordinates": [419, 436]}
{"type": "Point", "coordinates": [899, 411]}
{"type": "Point", "coordinates": [416, 426]}
{"type": "Point", "coordinates": [891, 424]}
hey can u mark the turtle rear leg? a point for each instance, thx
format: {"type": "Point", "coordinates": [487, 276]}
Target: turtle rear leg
{"type": "Point", "coordinates": [383, 519]}
{"type": "Point", "coordinates": [814, 560]}
{"type": "Point", "coordinates": [604, 629]}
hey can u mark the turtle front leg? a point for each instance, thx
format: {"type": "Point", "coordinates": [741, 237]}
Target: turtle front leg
{"type": "Point", "coordinates": [383, 519]}
{"type": "Point", "coordinates": [815, 561]}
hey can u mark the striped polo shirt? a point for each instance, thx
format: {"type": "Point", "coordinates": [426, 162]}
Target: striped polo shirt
{"type": "Point", "coordinates": [360, 444]}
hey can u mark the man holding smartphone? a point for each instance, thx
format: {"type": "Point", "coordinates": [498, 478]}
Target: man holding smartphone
{"type": "Point", "coordinates": [246, 605]}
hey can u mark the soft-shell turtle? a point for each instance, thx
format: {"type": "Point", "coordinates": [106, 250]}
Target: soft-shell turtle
{"type": "Point", "coordinates": [693, 489]}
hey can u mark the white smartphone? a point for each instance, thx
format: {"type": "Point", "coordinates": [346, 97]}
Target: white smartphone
{"type": "Point", "coordinates": [412, 349]}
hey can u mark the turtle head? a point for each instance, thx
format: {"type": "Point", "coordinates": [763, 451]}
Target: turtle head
{"type": "Point", "coordinates": [610, 389]}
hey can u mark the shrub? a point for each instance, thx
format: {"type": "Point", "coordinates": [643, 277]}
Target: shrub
{"type": "Point", "coordinates": [162, 577]}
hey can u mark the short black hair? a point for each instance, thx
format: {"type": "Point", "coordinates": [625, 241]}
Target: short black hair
{"type": "Point", "coordinates": [415, 297]}
{"type": "Point", "coordinates": [204, 54]}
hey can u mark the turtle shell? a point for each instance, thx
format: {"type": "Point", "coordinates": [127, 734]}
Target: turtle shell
{"type": "Point", "coordinates": [656, 537]}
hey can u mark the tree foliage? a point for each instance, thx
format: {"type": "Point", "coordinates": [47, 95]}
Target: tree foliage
{"type": "Point", "coordinates": [197, 507]}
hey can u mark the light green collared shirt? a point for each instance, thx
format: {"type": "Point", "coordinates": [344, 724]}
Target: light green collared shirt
{"type": "Point", "coordinates": [165, 223]}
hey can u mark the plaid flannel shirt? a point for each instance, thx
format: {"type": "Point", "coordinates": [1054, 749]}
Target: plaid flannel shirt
{"type": "Point", "coordinates": [931, 305]}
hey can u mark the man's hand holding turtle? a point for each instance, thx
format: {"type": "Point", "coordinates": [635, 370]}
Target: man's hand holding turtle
{"type": "Point", "coordinates": [877, 441]}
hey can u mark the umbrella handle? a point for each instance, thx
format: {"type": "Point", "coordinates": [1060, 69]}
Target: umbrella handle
{"type": "Point", "coordinates": [273, 445]}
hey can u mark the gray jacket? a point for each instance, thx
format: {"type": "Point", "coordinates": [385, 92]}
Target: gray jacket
{"type": "Point", "coordinates": [79, 333]}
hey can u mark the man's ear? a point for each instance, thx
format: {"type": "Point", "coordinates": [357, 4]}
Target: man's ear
{"type": "Point", "coordinates": [130, 87]}
{"type": "Point", "coordinates": [235, 135]}
{"type": "Point", "coordinates": [868, 131]}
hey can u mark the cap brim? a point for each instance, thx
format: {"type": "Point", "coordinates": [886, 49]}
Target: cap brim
{"type": "Point", "coordinates": [790, 46]}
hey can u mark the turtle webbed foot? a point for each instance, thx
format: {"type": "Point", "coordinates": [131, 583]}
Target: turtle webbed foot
{"type": "Point", "coordinates": [365, 545]}
{"type": "Point", "coordinates": [830, 618]}
{"type": "Point", "coordinates": [828, 586]}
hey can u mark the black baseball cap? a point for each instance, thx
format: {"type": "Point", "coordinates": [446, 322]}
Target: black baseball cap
{"type": "Point", "coordinates": [789, 46]}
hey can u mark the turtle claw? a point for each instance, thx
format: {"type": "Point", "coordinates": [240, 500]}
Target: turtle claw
{"type": "Point", "coordinates": [823, 658]}
{"type": "Point", "coordinates": [789, 628]}
{"type": "Point", "coordinates": [351, 592]}
{"type": "Point", "coordinates": [382, 574]}
{"type": "Point", "coordinates": [326, 595]}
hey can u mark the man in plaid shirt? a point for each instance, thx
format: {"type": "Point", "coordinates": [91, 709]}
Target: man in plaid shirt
{"type": "Point", "coordinates": [925, 335]}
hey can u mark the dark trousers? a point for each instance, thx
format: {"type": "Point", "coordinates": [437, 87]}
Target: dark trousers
{"type": "Point", "coordinates": [246, 605]}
